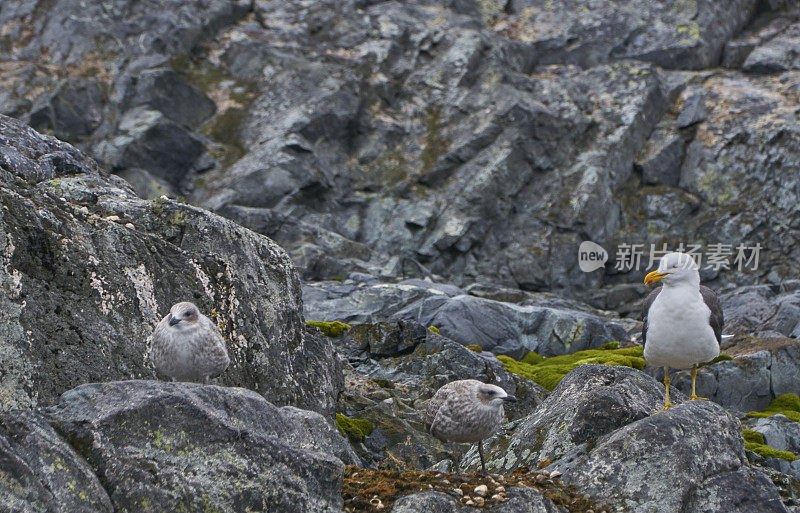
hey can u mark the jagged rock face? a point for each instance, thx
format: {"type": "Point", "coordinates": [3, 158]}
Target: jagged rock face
{"type": "Point", "coordinates": [170, 446]}
{"type": "Point", "coordinates": [41, 472]}
{"type": "Point", "coordinates": [88, 269]}
{"type": "Point", "coordinates": [474, 140]}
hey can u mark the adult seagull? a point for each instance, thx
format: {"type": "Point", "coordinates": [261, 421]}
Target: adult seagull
{"type": "Point", "coordinates": [682, 319]}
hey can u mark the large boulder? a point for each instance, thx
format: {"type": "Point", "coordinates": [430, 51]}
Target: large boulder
{"type": "Point", "coordinates": [88, 270]}
{"type": "Point", "coordinates": [39, 471]}
{"type": "Point", "coordinates": [171, 446]}
{"type": "Point", "coordinates": [590, 401]}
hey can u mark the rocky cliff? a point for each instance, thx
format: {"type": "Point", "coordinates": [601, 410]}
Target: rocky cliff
{"type": "Point", "coordinates": [422, 173]}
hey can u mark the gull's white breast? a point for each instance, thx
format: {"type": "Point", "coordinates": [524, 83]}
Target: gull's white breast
{"type": "Point", "coordinates": [678, 332]}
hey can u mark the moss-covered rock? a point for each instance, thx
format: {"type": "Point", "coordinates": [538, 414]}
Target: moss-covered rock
{"type": "Point", "coordinates": [548, 371]}
{"type": "Point", "coordinates": [721, 358]}
{"type": "Point", "coordinates": [787, 405]}
{"type": "Point", "coordinates": [754, 441]}
{"type": "Point", "coordinates": [434, 329]}
{"type": "Point", "coordinates": [356, 430]}
{"type": "Point", "coordinates": [331, 329]}
{"type": "Point", "coordinates": [475, 348]}
{"type": "Point", "coordinates": [610, 345]}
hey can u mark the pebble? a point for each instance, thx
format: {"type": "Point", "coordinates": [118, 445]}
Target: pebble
{"type": "Point", "coordinates": [499, 497]}
{"type": "Point", "coordinates": [129, 226]}
{"type": "Point", "coordinates": [112, 218]}
{"type": "Point", "coordinates": [478, 501]}
{"type": "Point", "coordinates": [481, 490]}
{"type": "Point", "coordinates": [554, 474]}
{"type": "Point", "coordinates": [500, 489]}
{"type": "Point", "coordinates": [458, 491]}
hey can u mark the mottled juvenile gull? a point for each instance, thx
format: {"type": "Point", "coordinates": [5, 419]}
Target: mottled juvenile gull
{"type": "Point", "coordinates": [187, 346]}
{"type": "Point", "coordinates": [682, 319]}
{"type": "Point", "coordinates": [466, 411]}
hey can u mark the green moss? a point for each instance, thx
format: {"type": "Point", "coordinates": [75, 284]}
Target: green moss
{"type": "Point", "coordinates": [356, 430]}
{"type": "Point", "coordinates": [331, 329]}
{"type": "Point", "coordinates": [753, 436]}
{"type": "Point", "coordinates": [610, 345]}
{"type": "Point", "coordinates": [721, 358]}
{"type": "Point", "coordinates": [434, 329]}
{"type": "Point", "coordinates": [768, 452]}
{"type": "Point", "coordinates": [435, 144]}
{"type": "Point", "coordinates": [548, 371]}
{"type": "Point", "coordinates": [383, 383]}
{"type": "Point", "coordinates": [475, 348]}
{"type": "Point", "coordinates": [786, 404]}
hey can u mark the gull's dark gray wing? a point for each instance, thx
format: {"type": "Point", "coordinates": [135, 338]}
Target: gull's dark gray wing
{"type": "Point", "coordinates": [717, 320]}
{"type": "Point", "coordinates": [648, 302]}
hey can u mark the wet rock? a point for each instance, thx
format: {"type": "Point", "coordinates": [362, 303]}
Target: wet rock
{"type": "Point", "coordinates": [88, 269]}
{"type": "Point", "coordinates": [40, 470]}
{"type": "Point", "coordinates": [162, 445]}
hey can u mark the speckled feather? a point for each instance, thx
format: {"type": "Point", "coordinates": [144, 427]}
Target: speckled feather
{"type": "Point", "coordinates": [193, 353]}
{"type": "Point", "coordinates": [455, 413]}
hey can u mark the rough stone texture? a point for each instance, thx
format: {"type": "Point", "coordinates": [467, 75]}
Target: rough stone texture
{"type": "Point", "coordinates": [88, 269]}
{"type": "Point", "coordinates": [39, 472]}
{"type": "Point", "coordinates": [697, 441]}
{"type": "Point", "coordinates": [171, 446]}
{"type": "Point", "coordinates": [520, 500]}
{"type": "Point", "coordinates": [776, 55]}
{"type": "Point", "coordinates": [589, 402]}
{"type": "Point", "coordinates": [503, 328]}
{"type": "Point", "coordinates": [779, 433]}
{"type": "Point", "coordinates": [469, 141]}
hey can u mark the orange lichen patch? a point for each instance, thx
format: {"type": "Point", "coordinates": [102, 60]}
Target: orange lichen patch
{"type": "Point", "coordinates": [475, 348]}
{"type": "Point", "coordinates": [376, 490]}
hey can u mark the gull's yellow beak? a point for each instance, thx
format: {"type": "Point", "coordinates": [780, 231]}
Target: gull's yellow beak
{"type": "Point", "coordinates": [653, 277]}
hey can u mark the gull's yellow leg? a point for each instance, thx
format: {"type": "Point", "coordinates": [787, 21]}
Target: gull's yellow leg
{"type": "Point", "coordinates": [667, 404]}
{"type": "Point", "coordinates": [694, 376]}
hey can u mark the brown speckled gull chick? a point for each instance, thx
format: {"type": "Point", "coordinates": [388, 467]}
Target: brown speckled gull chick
{"type": "Point", "coordinates": [187, 346]}
{"type": "Point", "coordinates": [467, 411]}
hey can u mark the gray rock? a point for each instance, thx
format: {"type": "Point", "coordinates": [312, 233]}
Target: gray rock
{"type": "Point", "coordinates": [150, 141]}
{"type": "Point", "coordinates": [158, 446]}
{"type": "Point", "coordinates": [41, 473]}
{"type": "Point", "coordinates": [520, 500]}
{"type": "Point", "coordinates": [502, 328]}
{"type": "Point", "coordinates": [700, 444]}
{"type": "Point", "coordinates": [88, 269]}
{"type": "Point", "coordinates": [71, 113]}
{"type": "Point", "coordinates": [743, 491]}
{"type": "Point", "coordinates": [742, 384]}
{"type": "Point", "coordinates": [693, 110]}
{"type": "Point", "coordinates": [589, 402]}
{"type": "Point", "coordinates": [164, 91]}
{"type": "Point", "coordinates": [779, 432]}
{"type": "Point", "coordinates": [776, 55]}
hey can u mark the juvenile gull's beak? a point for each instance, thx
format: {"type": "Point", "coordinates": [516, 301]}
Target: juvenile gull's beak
{"type": "Point", "coordinates": [510, 398]}
{"type": "Point", "coordinates": [173, 320]}
{"type": "Point", "coordinates": [653, 277]}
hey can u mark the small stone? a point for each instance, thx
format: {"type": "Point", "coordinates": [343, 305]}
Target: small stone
{"type": "Point", "coordinates": [500, 489]}
{"type": "Point", "coordinates": [445, 481]}
{"type": "Point", "coordinates": [112, 218]}
{"type": "Point", "coordinates": [466, 501]}
{"type": "Point", "coordinates": [498, 497]}
{"type": "Point", "coordinates": [376, 502]}
{"type": "Point", "coordinates": [129, 226]}
{"type": "Point", "coordinates": [83, 209]}
{"type": "Point", "coordinates": [481, 490]}
{"type": "Point", "coordinates": [458, 491]}
{"type": "Point", "coordinates": [555, 474]}
{"type": "Point", "coordinates": [540, 478]}
{"type": "Point", "coordinates": [478, 501]}
{"type": "Point", "coordinates": [545, 473]}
